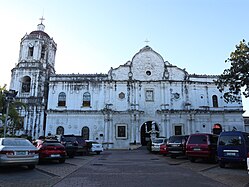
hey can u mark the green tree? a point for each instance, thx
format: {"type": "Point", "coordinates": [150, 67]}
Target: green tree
{"type": "Point", "coordinates": [236, 78]}
{"type": "Point", "coordinates": [15, 119]}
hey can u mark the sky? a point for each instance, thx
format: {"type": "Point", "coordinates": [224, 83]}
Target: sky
{"type": "Point", "coordinates": [93, 36]}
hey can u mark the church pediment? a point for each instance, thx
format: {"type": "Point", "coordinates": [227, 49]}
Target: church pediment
{"type": "Point", "coordinates": [147, 65]}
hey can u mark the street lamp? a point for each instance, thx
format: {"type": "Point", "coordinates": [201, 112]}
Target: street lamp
{"type": "Point", "coordinates": [10, 95]}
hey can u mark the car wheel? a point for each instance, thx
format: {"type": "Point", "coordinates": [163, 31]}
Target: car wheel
{"type": "Point", "coordinates": [222, 164]}
{"type": "Point", "coordinates": [71, 156]}
{"type": "Point", "coordinates": [31, 166]}
{"type": "Point", "coordinates": [192, 159]}
{"type": "Point", "coordinates": [62, 161]}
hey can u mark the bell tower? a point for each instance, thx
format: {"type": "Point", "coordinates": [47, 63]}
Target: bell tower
{"type": "Point", "coordinates": [30, 78]}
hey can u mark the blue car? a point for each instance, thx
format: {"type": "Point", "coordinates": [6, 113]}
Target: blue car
{"type": "Point", "coordinates": [233, 147]}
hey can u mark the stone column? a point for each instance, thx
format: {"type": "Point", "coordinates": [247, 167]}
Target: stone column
{"type": "Point", "coordinates": [132, 130]}
{"type": "Point", "coordinates": [110, 130]}
{"type": "Point", "coordinates": [106, 129]}
{"type": "Point", "coordinates": [167, 124]}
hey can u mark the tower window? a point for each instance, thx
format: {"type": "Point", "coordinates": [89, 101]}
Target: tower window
{"type": "Point", "coordinates": [62, 99]}
{"type": "Point", "coordinates": [86, 99]}
{"type": "Point", "coordinates": [31, 51]}
{"type": "Point", "coordinates": [43, 52]}
{"type": "Point", "coordinates": [26, 81]}
{"type": "Point", "coordinates": [215, 100]}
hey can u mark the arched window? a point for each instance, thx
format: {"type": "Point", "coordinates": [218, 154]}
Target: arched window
{"type": "Point", "coordinates": [62, 99]}
{"type": "Point", "coordinates": [43, 52]}
{"type": "Point", "coordinates": [60, 130]}
{"type": "Point", "coordinates": [26, 81]}
{"type": "Point", "coordinates": [31, 51]}
{"type": "Point", "coordinates": [215, 100]}
{"type": "Point", "coordinates": [85, 133]}
{"type": "Point", "coordinates": [86, 99]}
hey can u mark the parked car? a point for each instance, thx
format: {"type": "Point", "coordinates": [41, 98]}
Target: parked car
{"type": "Point", "coordinates": [233, 147]}
{"type": "Point", "coordinates": [163, 149]}
{"type": "Point", "coordinates": [155, 144]}
{"type": "Point", "coordinates": [83, 148]}
{"type": "Point", "coordinates": [51, 150]}
{"type": "Point", "coordinates": [202, 145]}
{"type": "Point", "coordinates": [94, 146]}
{"type": "Point", "coordinates": [71, 145]}
{"type": "Point", "coordinates": [177, 145]}
{"type": "Point", "coordinates": [18, 151]}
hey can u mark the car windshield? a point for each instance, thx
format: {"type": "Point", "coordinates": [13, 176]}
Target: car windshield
{"type": "Point", "coordinates": [158, 141]}
{"type": "Point", "coordinates": [69, 139]}
{"type": "Point", "coordinates": [52, 144]}
{"type": "Point", "coordinates": [175, 139]}
{"type": "Point", "coordinates": [80, 140]}
{"type": "Point", "coordinates": [230, 140]}
{"type": "Point", "coordinates": [200, 139]}
{"type": "Point", "coordinates": [16, 142]}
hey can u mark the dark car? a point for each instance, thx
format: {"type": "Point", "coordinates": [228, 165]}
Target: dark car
{"type": "Point", "coordinates": [233, 147]}
{"type": "Point", "coordinates": [83, 147]}
{"type": "Point", "coordinates": [70, 143]}
{"type": "Point", "coordinates": [51, 150]}
{"type": "Point", "coordinates": [202, 145]}
{"type": "Point", "coordinates": [177, 145]}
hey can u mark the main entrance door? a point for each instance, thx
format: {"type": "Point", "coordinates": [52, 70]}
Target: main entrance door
{"type": "Point", "coordinates": [145, 135]}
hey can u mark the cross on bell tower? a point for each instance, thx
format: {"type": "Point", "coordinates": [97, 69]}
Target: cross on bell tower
{"type": "Point", "coordinates": [146, 41]}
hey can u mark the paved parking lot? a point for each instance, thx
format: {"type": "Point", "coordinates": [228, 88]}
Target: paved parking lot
{"type": "Point", "coordinates": [49, 174]}
{"type": "Point", "coordinates": [231, 175]}
{"type": "Point", "coordinates": [44, 175]}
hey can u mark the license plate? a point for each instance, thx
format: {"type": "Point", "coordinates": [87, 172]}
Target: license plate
{"type": "Point", "coordinates": [55, 155]}
{"type": "Point", "coordinates": [231, 154]}
{"type": "Point", "coordinates": [197, 149]}
{"type": "Point", "coordinates": [21, 153]}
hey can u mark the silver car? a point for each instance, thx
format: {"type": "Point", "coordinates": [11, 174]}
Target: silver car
{"type": "Point", "coordinates": [18, 151]}
{"type": "Point", "coordinates": [155, 146]}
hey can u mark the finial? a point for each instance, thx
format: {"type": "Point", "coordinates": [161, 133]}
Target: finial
{"type": "Point", "coordinates": [40, 26]}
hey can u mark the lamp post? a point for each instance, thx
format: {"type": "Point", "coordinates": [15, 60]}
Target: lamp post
{"type": "Point", "coordinates": [10, 95]}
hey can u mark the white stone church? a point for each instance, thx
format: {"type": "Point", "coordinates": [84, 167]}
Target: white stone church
{"type": "Point", "coordinates": [116, 108]}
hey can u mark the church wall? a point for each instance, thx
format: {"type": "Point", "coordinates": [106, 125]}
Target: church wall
{"type": "Point", "coordinates": [74, 122]}
{"type": "Point", "coordinates": [176, 74]}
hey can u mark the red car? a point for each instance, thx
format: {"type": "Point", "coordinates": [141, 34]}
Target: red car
{"type": "Point", "coordinates": [51, 150]}
{"type": "Point", "coordinates": [202, 145]}
{"type": "Point", "coordinates": [163, 149]}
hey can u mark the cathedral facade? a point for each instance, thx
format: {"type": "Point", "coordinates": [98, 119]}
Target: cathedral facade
{"type": "Point", "coordinates": [119, 107]}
